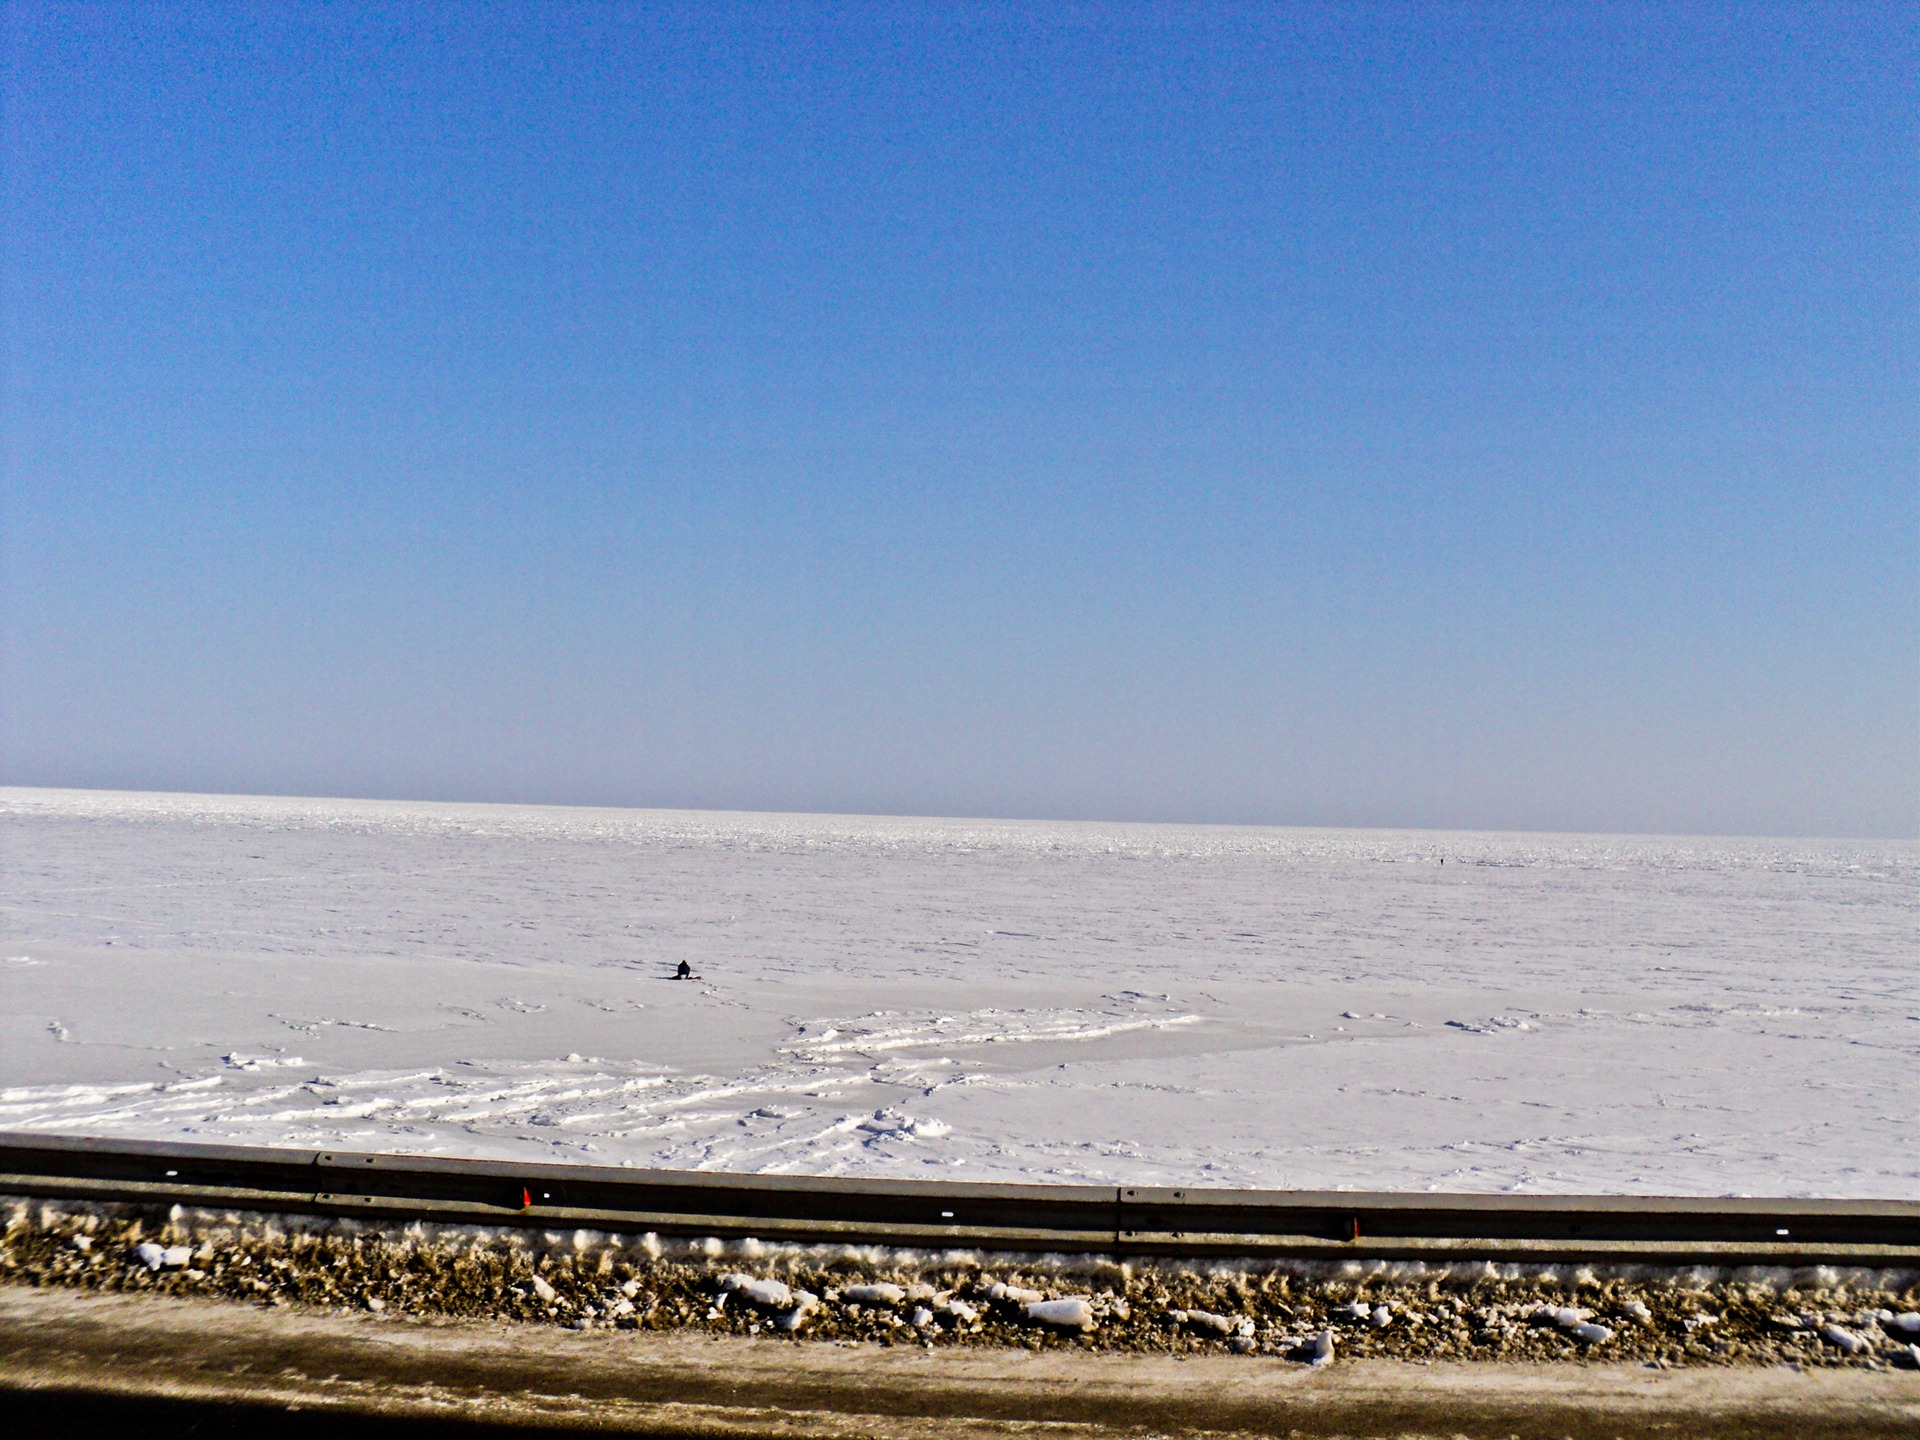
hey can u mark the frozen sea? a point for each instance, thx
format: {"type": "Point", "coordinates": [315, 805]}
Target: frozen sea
{"type": "Point", "coordinates": [966, 999]}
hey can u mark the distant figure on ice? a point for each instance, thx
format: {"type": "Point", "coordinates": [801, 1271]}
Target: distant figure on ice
{"type": "Point", "coordinates": [685, 972]}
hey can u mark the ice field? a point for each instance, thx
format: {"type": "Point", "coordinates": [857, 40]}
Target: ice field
{"type": "Point", "coordinates": [971, 999]}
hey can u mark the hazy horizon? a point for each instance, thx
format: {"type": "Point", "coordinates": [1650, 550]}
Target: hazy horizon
{"type": "Point", "coordinates": [957, 819]}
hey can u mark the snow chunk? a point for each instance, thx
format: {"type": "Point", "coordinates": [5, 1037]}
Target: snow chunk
{"type": "Point", "coordinates": [1566, 1317]}
{"type": "Point", "coordinates": [1845, 1341]}
{"type": "Point", "coordinates": [159, 1257]}
{"type": "Point", "coordinates": [805, 1302]}
{"type": "Point", "coordinates": [1590, 1334]}
{"type": "Point", "coordinates": [1908, 1323]}
{"type": "Point", "coordinates": [1014, 1294]}
{"type": "Point", "coordinates": [767, 1294]}
{"type": "Point", "coordinates": [1075, 1312]}
{"type": "Point", "coordinates": [240, 1060]}
{"type": "Point", "coordinates": [894, 1122]}
{"type": "Point", "coordinates": [1207, 1320]}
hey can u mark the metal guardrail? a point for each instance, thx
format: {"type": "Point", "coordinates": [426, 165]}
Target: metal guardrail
{"type": "Point", "coordinates": [1100, 1219]}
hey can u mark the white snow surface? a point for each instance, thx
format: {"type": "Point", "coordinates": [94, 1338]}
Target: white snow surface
{"type": "Point", "coordinates": [1148, 1004]}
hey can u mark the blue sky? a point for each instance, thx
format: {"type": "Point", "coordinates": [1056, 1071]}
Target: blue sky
{"type": "Point", "coordinates": [1373, 415]}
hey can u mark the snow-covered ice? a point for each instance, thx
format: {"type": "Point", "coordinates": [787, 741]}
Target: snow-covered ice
{"type": "Point", "coordinates": [978, 1000]}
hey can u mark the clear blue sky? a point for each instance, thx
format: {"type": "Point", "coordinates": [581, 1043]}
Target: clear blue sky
{"type": "Point", "coordinates": [1381, 415]}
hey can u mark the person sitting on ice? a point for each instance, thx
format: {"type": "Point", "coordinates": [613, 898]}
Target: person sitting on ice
{"type": "Point", "coordinates": [685, 972]}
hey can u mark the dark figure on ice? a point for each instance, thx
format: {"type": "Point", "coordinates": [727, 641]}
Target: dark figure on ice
{"type": "Point", "coordinates": [685, 972]}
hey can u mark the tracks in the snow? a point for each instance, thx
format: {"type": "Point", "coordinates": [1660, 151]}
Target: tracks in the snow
{"type": "Point", "coordinates": [1103, 1219]}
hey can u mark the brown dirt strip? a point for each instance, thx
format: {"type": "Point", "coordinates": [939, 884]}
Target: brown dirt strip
{"type": "Point", "coordinates": [72, 1359]}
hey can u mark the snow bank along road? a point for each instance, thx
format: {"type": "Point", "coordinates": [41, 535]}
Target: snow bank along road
{"type": "Point", "coordinates": [1131, 1005]}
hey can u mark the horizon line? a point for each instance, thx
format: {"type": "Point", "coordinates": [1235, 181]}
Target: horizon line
{"type": "Point", "coordinates": [7, 787]}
